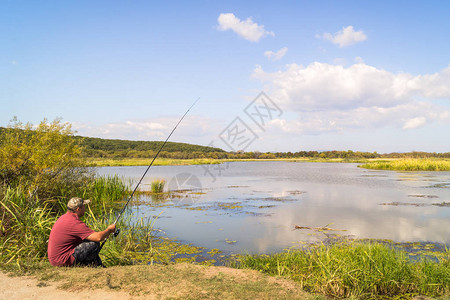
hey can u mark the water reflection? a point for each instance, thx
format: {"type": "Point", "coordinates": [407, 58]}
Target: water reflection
{"type": "Point", "coordinates": [254, 206]}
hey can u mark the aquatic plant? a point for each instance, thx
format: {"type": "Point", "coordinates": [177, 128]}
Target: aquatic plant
{"type": "Point", "coordinates": [355, 269]}
{"type": "Point", "coordinates": [158, 186]}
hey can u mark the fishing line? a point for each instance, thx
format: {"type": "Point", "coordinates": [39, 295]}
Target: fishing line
{"type": "Point", "coordinates": [116, 233]}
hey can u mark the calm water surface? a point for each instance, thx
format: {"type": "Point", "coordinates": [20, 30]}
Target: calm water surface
{"type": "Point", "coordinates": [254, 206]}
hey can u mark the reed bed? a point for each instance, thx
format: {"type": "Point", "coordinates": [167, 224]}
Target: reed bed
{"type": "Point", "coordinates": [356, 269]}
{"type": "Point", "coordinates": [410, 165]}
{"type": "Point", "coordinates": [157, 186]}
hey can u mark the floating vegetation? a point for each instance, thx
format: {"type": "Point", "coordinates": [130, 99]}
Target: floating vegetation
{"type": "Point", "coordinates": [214, 251]}
{"type": "Point", "coordinates": [257, 214]}
{"type": "Point", "coordinates": [424, 196]}
{"type": "Point", "coordinates": [232, 205]}
{"type": "Point", "coordinates": [279, 199]}
{"type": "Point", "coordinates": [230, 242]}
{"type": "Point", "coordinates": [194, 208]}
{"type": "Point", "coordinates": [198, 193]}
{"type": "Point", "coordinates": [274, 199]}
{"type": "Point", "coordinates": [266, 206]}
{"type": "Point", "coordinates": [164, 250]}
{"type": "Point", "coordinates": [441, 204]}
{"type": "Point", "coordinates": [403, 204]}
{"type": "Point", "coordinates": [161, 217]}
{"type": "Point", "coordinates": [440, 185]}
{"type": "Point", "coordinates": [325, 228]}
{"type": "Point", "coordinates": [296, 192]}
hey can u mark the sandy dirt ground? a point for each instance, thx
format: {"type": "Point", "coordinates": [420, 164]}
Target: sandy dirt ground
{"type": "Point", "coordinates": [30, 288]}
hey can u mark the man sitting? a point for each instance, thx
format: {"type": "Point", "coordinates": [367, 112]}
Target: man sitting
{"type": "Point", "coordinates": [72, 242]}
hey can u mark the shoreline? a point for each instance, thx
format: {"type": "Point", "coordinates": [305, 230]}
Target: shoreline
{"type": "Point", "coordinates": [392, 164]}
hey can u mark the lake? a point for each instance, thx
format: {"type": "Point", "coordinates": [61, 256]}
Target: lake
{"type": "Point", "coordinates": [253, 206]}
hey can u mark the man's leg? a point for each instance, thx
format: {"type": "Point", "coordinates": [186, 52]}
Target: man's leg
{"type": "Point", "coordinates": [86, 254]}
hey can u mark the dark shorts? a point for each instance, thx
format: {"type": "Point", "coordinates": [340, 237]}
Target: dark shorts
{"type": "Point", "coordinates": [86, 254]}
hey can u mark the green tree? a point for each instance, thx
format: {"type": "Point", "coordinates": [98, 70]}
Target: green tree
{"type": "Point", "coordinates": [39, 158]}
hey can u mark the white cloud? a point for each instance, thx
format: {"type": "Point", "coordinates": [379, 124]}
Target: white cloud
{"type": "Point", "coordinates": [246, 29]}
{"type": "Point", "coordinates": [406, 116]}
{"type": "Point", "coordinates": [334, 98]}
{"type": "Point", "coordinates": [435, 85]}
{"type": "Point", "coordinates": [276, 55]}
{"type": "Point", "coordinates": [194, 129]}
{"type": "Point", "coordinates": [345, 37]}
{"type": "Point", "coordinates": [322, 86]}
{"type": "Point", "coordinates": [414, 123]}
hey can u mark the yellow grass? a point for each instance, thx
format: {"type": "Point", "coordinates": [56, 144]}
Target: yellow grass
{"type": "Point", "coordinates": [146, 162]}
{"type": "Point", "coordinates": [410, 164]}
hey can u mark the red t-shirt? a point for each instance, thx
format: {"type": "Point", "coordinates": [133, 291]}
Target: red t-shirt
{"type": "Point", "coordinates": [67, 233]}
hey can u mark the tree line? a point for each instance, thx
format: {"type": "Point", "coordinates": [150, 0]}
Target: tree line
{"type": "Point", "coordinates": [121, 149]}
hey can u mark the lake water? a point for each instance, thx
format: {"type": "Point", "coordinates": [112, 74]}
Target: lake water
{"type": "Point", "coordinates": [254, 206]}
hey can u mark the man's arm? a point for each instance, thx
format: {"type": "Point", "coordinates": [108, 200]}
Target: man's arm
{"type": "Point", "coordinates": [102, 235]}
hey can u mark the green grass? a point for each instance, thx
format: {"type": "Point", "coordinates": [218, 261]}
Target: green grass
{"type": "Point", "coordinates": [24, 227]}
{"type": "Point", "coordinates": [356, 269]}
{"type": "Point", "coordinates": [410, 165]}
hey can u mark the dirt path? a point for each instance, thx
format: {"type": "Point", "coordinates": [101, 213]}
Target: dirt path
{"type": "Point", "coordinates": [30, 288]}
{"type": "Point", "coordinates": [176, 281]}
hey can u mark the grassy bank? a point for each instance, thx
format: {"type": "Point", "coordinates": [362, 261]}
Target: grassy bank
{"type": "Point", "coordinates": [98, 162]}
{"type": "Point", "coordinates": [358, 269]}
{"type": "Point", "coordinates": [410, 165]}
{"type": "Point", "coordinates": [177, 281]}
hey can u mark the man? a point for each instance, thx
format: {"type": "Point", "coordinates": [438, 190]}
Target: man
{"type": "Point", "coordinates": [72, 242]}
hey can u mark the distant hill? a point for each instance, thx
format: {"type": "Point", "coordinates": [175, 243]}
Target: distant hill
{"type": "Point", "coordinates": [95, 146]}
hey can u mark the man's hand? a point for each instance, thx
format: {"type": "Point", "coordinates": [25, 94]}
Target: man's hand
{"type": "Point", "coordinates": [111, 228]}
{"type": "Point", "coordinates": [102, 235]}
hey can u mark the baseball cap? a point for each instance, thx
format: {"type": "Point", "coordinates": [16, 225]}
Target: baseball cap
{"type": "Point", "coordinates": [76, 202]}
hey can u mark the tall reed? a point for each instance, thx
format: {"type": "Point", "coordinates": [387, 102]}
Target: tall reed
{"type": "Point", "coordinates": [25, 227]}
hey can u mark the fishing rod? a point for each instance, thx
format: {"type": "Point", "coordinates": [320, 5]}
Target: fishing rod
{"type": "Point", "coordinates": [116, 233]}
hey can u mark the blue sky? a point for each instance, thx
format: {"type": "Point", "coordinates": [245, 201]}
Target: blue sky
{"type": "Point", "coordinates": [360, 75]}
